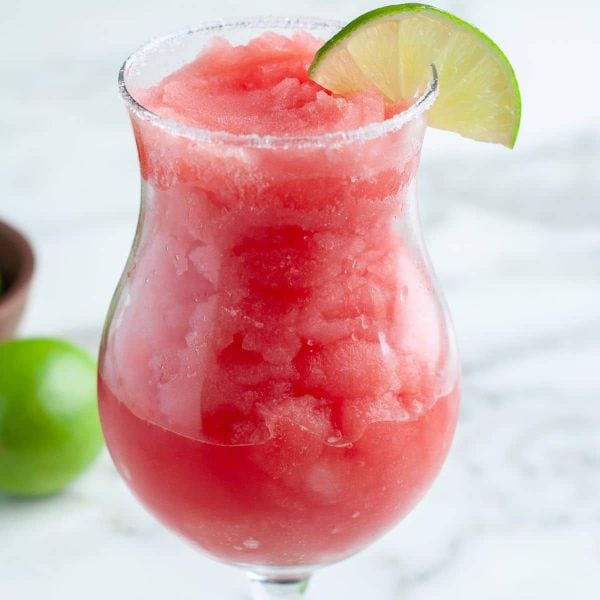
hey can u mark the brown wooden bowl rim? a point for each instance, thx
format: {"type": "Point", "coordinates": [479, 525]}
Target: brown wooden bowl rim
{"type": "Point", "coordinates": [19, 286]}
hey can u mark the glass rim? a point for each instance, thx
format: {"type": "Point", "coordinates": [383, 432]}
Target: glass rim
{"type": "Point", "coordinates": [177, 128]}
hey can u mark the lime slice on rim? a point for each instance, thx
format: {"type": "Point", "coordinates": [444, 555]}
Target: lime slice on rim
{"type": "Point", "coordinates": [392, 49]}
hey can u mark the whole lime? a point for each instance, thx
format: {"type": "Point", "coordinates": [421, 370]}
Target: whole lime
{"type": "Point", "coordinates": [49, 426]}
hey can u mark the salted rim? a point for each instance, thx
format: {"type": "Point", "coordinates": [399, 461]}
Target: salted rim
{"type": "Point", "coordinates": [336, 138]}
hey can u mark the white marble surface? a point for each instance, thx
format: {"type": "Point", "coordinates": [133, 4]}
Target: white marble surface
{"type": "Point", "coordinates": [515, 238]}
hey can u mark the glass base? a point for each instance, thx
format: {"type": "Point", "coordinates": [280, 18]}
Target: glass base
{"type": "Point", "coordinates": [283, 587]}
{"type": "Point", "coordinates": [271, 583]}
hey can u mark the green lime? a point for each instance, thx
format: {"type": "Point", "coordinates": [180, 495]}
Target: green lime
{"type": "Point", "coordinates": [393, 48]}
{"type": "Point", "coordinates": [49, 426]}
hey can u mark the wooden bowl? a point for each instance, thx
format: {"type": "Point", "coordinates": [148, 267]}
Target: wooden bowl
{"type": "Point", "coordinates": [16, 271]}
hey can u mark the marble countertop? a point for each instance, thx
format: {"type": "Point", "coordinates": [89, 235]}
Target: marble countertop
{"type": "Point", "coordinates": [515, 238]}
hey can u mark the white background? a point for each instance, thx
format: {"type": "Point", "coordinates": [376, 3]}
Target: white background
{"type": "Point", "coordinates": [515, 237]}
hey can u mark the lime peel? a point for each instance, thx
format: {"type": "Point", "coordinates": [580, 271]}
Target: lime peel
{"type": "Point", "coordinates": [391, 49]}
{"type": "Point", "coordinates": [49, 426]}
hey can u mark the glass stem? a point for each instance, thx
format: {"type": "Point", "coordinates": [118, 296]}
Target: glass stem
{"type": "Point", "coordinates": [273, 589]}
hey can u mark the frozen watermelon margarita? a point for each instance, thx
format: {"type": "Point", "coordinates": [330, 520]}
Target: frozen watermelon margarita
{"type": "Point", "coordinates": [278, 380]}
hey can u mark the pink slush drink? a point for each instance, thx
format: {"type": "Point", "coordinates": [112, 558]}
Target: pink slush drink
{"type": "Point", "coordinates": [277, 383]}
